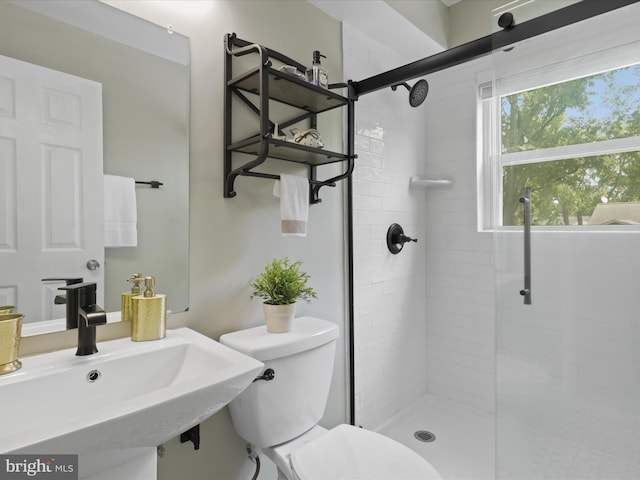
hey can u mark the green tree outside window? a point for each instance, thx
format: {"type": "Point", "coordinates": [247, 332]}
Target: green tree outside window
{"type": "Point", "coordinates": [598, 108]}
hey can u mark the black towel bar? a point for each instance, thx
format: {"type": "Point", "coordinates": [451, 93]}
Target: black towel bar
{"type": "Point", "coordinates": [153, 183]}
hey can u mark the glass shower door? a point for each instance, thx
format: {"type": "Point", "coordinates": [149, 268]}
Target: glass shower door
{"type": "Point", "coordinates": [568, 396]}
{"type": "Point", "coordinates": [567, 120]}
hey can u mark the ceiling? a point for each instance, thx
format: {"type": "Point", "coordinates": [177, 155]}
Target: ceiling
{"type": "Point", "coordinates": [448, 3]}
{"type": "Point", "coordinates": [382, 22]}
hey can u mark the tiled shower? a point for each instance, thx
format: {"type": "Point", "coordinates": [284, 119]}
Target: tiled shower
{"type": "Point", "coordinates": [424, 317]}
{"type": "Point", "coordinates": [439, 320]}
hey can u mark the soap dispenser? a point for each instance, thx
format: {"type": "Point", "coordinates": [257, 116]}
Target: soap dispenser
{"type": "Point", "coordinates": [317, 74]}
{"type": "Point", "coordinates": [125, 310]}
{"type": "Point", "coordinates": [149, 314]}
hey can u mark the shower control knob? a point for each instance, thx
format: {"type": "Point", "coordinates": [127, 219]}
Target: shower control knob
{"type": "Point", "coordinates": [396, 238]}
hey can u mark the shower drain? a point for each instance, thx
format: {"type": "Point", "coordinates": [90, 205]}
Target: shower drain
{"type": "Point", "coordinates": [424, 436]}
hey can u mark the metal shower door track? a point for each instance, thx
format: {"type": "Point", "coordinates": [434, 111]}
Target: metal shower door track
{"type": "Point", "coordinates": [483, 46]}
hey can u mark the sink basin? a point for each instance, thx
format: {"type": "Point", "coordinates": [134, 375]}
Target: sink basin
{"type": "Point", "coordinates": [128, 395]}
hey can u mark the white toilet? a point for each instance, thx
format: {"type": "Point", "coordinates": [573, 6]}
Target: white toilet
{"type": "Point", "coordinates": [281, 415]}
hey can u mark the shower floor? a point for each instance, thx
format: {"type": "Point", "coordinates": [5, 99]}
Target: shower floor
{"type": "Point", "coordinates": [464, 445]}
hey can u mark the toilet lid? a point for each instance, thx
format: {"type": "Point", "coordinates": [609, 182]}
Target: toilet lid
{"type": "Point", "coordinates": [348, 452]}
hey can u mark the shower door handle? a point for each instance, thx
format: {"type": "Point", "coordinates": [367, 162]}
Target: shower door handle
{"type": "Point", "coordinates": [526, 202]}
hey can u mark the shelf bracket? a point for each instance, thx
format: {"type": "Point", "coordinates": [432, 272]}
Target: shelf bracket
{"type": "Point", "coordinates": [331, 182]}
{"type": "Point", "coordinates": [230, 177]}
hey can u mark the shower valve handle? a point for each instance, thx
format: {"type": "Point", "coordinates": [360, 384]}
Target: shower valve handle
{"type": "Point", "coordinates": [405, 239]}
{"type": "Point", "coordinates": [396, 238]}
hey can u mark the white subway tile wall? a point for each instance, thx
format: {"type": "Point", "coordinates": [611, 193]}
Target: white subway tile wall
{"type": "Point", "coordinates": [460, 260]}
{"type": "Point", "coordinates": [424, 317]}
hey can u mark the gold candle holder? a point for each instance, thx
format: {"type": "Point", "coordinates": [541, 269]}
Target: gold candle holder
{"type": "Point", "coordinates": [10, 329]}
{"type": "Point", "coordinates": [6, 309]}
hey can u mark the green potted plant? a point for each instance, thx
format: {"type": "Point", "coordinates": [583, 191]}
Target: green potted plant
{"type": "Point", "coordinates": [280, 285]}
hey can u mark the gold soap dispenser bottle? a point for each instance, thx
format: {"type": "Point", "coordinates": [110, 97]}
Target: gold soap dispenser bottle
{"type": "Point", "coordinates": [125, 310]}
{"type": "Point", "coordinates": [149, 314]}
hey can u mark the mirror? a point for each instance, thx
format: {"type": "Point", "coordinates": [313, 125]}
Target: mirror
{"type": "Point", "coordinates": [144, 72]}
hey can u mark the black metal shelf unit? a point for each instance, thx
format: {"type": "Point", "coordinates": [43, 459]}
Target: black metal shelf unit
{"type": "Point", "coordinates": [265, 83]}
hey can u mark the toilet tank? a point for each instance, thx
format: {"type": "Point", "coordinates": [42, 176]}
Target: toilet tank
{"type": "Point", "coordinates": [271, 412]}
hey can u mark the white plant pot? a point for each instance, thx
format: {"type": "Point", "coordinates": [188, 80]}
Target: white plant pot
{"type": "Point", "coordinates": [279, 318]}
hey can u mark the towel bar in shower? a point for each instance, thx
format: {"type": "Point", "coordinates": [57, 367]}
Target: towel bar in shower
{"type": "Point", "coordinates": [526, 201]}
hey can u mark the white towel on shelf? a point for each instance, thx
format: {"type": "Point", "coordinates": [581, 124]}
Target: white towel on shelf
{"type": "Point", "coordinates": [120, 212]}
{"type": "Point", "coordinates": [293, 191]}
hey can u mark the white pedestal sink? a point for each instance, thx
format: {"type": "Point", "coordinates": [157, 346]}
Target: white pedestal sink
{"type": "Point", "coordinates": [121, 402]}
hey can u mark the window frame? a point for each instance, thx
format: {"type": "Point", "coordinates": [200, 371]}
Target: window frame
{"type": "Point", "coordinates": [492, 160]}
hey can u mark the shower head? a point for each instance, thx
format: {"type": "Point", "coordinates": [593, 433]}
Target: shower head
{"type": "Point", "coordinates": [417, 94]}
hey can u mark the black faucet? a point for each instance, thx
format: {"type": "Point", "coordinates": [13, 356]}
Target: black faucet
{"type": "Point", "coordinates": [81, 305]}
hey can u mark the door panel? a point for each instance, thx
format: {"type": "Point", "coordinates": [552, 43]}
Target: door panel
{"type": "Point", "coordinates": [51, 167]}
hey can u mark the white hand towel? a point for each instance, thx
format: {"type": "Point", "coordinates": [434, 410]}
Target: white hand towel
{"type": "Point", "coordinates": [294, 204]}
{"type": "Point", "coordinates": [120, 212]}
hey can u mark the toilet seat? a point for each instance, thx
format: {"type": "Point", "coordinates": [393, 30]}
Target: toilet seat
{"type": "Point", "coordinates": [348, 452]}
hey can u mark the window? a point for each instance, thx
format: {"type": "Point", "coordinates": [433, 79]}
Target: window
{"type": "Point", "coordinates": [575, 143]}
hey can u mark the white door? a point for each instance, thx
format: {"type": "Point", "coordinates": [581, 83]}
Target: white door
{"type": "Point", "coordinates": [51, 201]}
